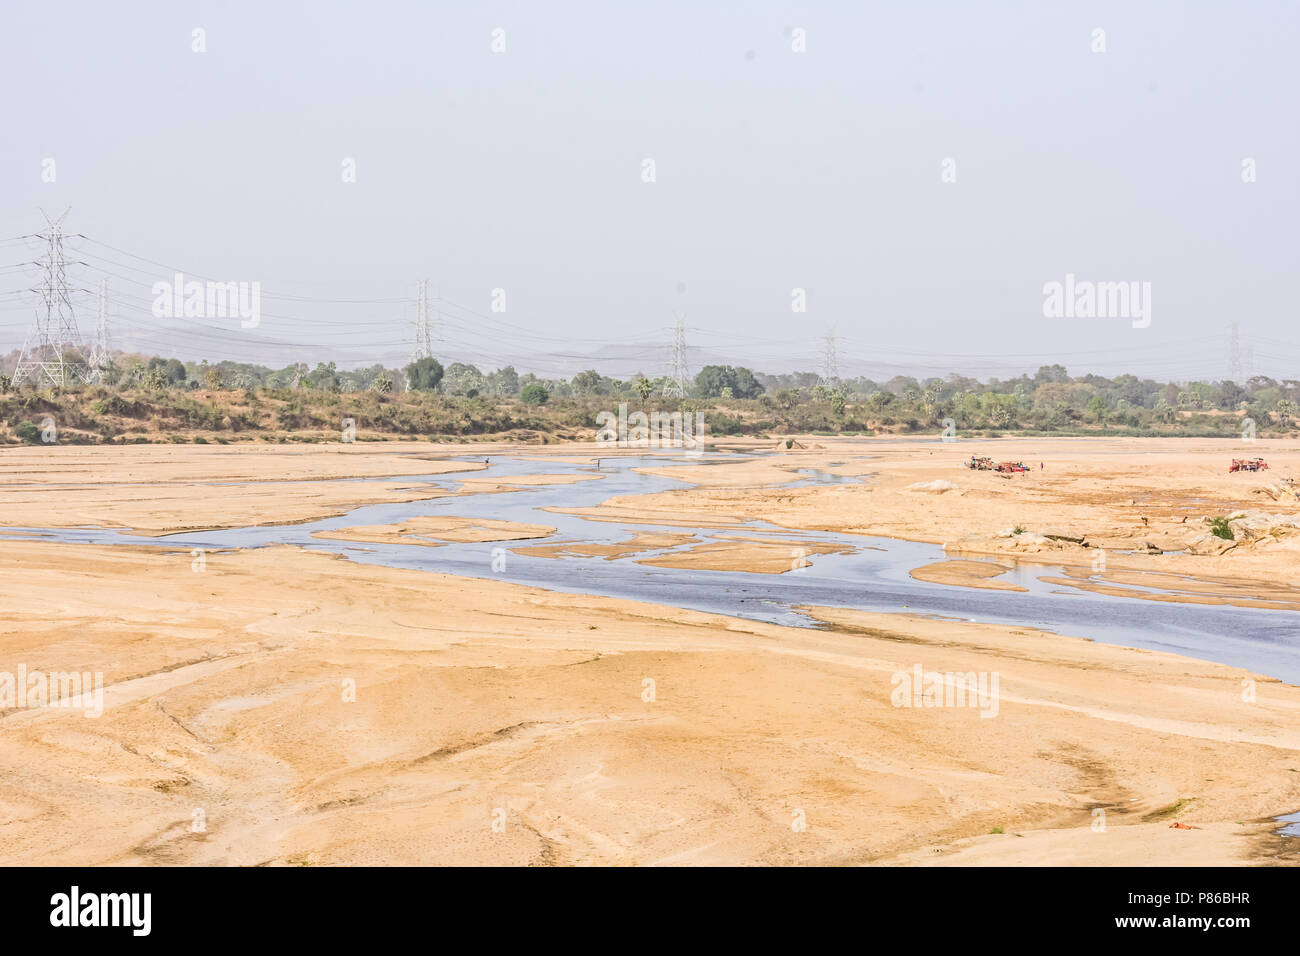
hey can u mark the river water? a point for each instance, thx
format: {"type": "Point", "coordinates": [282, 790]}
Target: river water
{"type": "Point", "coordinates": [873, 577]}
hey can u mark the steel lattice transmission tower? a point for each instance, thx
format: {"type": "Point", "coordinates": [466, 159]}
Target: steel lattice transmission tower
{"type": "Point", "coordinates": [422, 348]}
{"type": "Point", "coordinates": [53, 348]}
{"type": "Point", "coordinates": [830, 361]}
{"type": "Point", "coordinates": [99, 352]}
{"type": "Point", "coordinates": [679, 375]}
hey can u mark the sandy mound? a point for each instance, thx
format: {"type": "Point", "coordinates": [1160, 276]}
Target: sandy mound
{"type": "Point", "coordinates": [936, 487]}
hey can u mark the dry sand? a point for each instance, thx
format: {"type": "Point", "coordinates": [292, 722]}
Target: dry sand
{"type": "Point", "coordinates": [309, 710]}
{"type": "Point", "coordinates": [756, 555]}
{"type": "Point", "coordinates": [435, 530]}
{"type": "Point", "coordinates": [158, 490]}
{"type": "Point", "coordinates": [227, 694]}
{"type": "Point", "coordinates": [637, 544]}
{"type": "Point", "coordinates": [966, 574]}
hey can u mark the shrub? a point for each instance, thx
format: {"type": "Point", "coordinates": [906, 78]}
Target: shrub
{"type": "Point", "coordinates": [534, 394]}
{"type": "Point", "coordinates": [1220, 529]}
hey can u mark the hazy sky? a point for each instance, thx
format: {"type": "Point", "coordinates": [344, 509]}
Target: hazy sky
{"type": "Point", "coordinates": [774, 170]}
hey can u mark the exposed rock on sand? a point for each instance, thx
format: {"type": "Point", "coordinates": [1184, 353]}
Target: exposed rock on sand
{"type": "Point", "coordinates": [1253, 526]}
{"type": "Point", "coordinates": [1285, 490]}
{"type": "Point", "coordinates": [937, 487]}
{"type": "Point", "coordinates": [1209, 544]}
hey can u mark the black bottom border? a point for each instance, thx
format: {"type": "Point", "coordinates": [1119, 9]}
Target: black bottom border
{"type": "Point", "coordinates": [334, 904]}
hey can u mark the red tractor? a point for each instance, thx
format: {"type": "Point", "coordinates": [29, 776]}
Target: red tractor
{"type": "Point", "coordinates": [1248, 464]}
{"type": "Point", "coordinates": [1011, 467]}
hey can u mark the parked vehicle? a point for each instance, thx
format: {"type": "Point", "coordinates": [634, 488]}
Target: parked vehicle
{"type": "Point", "coordinates": [1248, 464]}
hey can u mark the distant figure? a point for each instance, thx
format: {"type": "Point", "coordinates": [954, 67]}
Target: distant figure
{"type": "Point", "coordinates": [1041, 466]}
{"type": "Point", "coordinates": [485, 462]}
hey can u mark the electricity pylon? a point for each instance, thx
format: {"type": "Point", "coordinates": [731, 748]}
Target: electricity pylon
{"type": "Point", "coordinates": [52, 351]}
{"type": "Point", "coordinates": [99, 352]}
{"type": "Point", "coordinates": [678, 374]}
{"type": "Point", "coordinates": [830, 362]}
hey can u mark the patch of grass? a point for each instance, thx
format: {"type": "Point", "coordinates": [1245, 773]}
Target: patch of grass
{"type": "Point", "coordinates": [1017, 530]}
{"type": "Point", "coordinates": [1220, 529]}
{"type": "Point", "coordinates": [995, 830]}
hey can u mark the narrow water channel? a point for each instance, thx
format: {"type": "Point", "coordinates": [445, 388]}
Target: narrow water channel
{"type": "Point", "coordinates": [873, 576]}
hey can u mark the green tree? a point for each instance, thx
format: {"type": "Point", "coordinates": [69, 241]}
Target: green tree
{"type": "Point", "coordinates": [324, 377]}
{"type": "Point", "coordinates": [534, 394]}
{"type": "Point", "coordinates": [424, 375]}
{"type": "Point", "coordinates": [508, 380]}
{"type": "Point", "coordinates": [587, 382]}
{"type": "Point", "coordinates": [1097, 409]}
{"type": "Point", "coordinates": [155, 379]}
{"type": "Point", "coordinates": [745, 384]}
{"type": "Point", "coordinates": [712, 379]}
{"type": "Point", "coordinates": [462, 378]}
{"type": "Point", "coordinates": [171, 370]}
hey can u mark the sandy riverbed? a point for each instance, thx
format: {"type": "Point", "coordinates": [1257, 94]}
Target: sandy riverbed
{"type": "Point", "coordinates": [1140, 501]}
{"type": "Point", "coordinates": [309, 710]}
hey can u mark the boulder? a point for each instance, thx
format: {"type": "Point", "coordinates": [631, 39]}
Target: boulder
{"type": "Point", "coordinates": [1033, 543]}
{"type": "Point", "coordinates": [1208, 544]}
